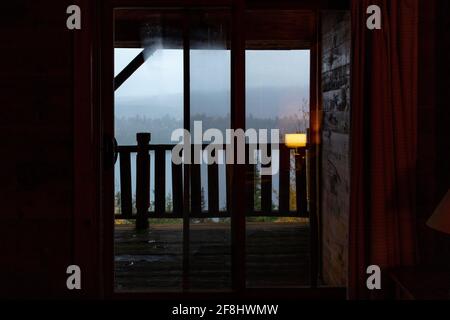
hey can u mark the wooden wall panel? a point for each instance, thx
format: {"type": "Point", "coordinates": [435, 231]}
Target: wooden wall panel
{"type": "Point", "coordinates": [335, 186]}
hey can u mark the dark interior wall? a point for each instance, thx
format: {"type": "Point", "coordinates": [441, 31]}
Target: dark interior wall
{"type": "Point", "coordinates": [433, 174]}
{"type": "Point", "coordinates": [36, 130]}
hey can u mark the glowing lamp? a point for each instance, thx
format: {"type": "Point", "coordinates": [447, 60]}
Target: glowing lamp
{"type": "Point", "coordinates": [295, 140]}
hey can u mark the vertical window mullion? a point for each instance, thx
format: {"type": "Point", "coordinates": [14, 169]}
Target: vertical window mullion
{"type": "Point", "coordinates": [186, 124]}
{"type": "Point", "coordinates": [238, 122]}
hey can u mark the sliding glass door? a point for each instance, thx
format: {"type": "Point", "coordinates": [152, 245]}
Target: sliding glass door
{"type": "Point", "coordinates": [195, 225]}
{"type": "Point", "coordinates": [172, 72]}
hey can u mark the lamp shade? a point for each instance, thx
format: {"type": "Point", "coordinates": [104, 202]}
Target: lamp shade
{"type": "Point", "coordinates": [440, 220]}
{"type": "Point", "coordinates": [295, 140]}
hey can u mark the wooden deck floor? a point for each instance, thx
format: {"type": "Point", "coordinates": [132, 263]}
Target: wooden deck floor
{"type": "Point", "coordinates": [277, 255]}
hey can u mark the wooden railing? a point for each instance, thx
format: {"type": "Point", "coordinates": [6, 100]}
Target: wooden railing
{"type": "Point", "coordinates": [143, 212]}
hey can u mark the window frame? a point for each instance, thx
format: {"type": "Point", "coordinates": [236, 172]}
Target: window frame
{"type": "Point", "coordinates": [92, 215]}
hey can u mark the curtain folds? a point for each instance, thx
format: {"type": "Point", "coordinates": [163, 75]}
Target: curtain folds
{"type": "Point", "coordinates": [384, 140]}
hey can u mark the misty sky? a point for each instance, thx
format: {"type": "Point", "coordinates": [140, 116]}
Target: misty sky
{"type": "Point", "coordinates": [210, 71]}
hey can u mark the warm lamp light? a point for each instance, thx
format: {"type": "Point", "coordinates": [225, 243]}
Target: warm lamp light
{"type": "Point", "coordinates": [440, 220]}
{"type": "Point", "coordinates": [295, 140]}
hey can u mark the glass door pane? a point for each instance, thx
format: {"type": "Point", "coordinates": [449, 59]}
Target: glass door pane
{"type": "Point", "coordinates": [210, 102]}
{"type": "Point", "coordinates": [277, 97]}
{"type": "Point", "coordinates": [159, 54]}
{"type": "Point", "coordinates": [148, 62]}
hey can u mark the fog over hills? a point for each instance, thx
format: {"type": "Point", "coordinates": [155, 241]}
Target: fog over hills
{"type": "Point", "coordinates": [260, 102]}
{"type": "Point", "coordinates": [161, 115]}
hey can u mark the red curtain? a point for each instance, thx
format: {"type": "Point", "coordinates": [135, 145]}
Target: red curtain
{"type": "Point", "coordinates": [384, 140]}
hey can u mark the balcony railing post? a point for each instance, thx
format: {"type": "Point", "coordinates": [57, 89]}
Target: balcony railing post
{"type": "Point", "coordinates": [142, 180]}
{"type": "Point", "coordinates": [300, 170]}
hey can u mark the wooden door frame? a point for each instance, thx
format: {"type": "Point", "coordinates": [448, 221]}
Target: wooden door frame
{"type": "Point", "coordinates": [93, 199]}
{"type": "Point", "coordinates": [87, 221]}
